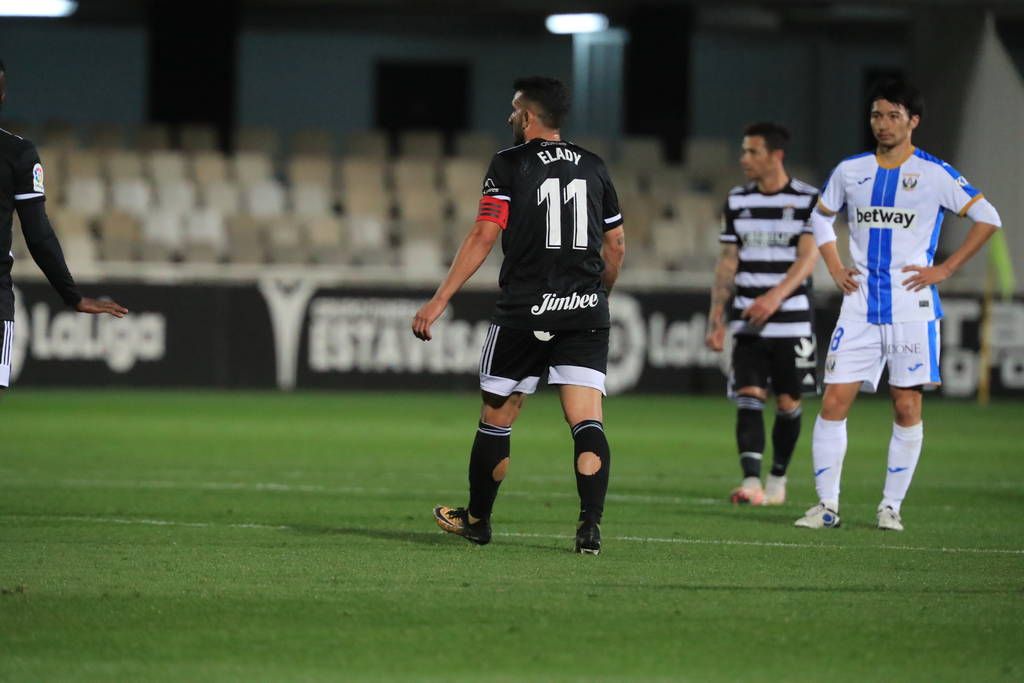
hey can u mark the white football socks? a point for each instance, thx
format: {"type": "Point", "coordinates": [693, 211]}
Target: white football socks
{"type": "Point", "coordinates": [904, 451]}
{"type": "Point", "coordinates": [828, 448]}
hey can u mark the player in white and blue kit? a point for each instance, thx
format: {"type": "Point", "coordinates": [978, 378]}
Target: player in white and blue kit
{"type": "Point", "coordinates": [895, 200]}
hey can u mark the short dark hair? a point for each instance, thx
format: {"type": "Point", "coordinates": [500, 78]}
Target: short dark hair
{"type": "Point", "coordinates": [550, 95]}
{"type": "Point", "coordinates": [898, 92]}
{"type": "Point", "coordinates": [775, 134]}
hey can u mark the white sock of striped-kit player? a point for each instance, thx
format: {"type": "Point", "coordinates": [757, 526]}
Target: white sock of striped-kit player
{"type": "Point", "coordinates": [904, 452]}
{"type": "Point", "coordinates": [828, 449]}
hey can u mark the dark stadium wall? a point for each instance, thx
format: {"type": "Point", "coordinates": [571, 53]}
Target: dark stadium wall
{"type": "Point", "coordinates": [810, 83]}
{"type": "Point", "coordinates": [292, 79]}
{"type": "Point", "coordinates": [76, 73]}
{"type": "Point", "coordinates": [193, 64]}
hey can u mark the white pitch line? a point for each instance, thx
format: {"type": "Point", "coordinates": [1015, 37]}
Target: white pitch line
{"type": "Point", "coordinates": [344, 490]}
{"type": "Point", "coordinates": [513, 534]}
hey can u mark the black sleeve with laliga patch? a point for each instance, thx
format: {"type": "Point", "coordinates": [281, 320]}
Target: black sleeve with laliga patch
{"type": "Point", "coordinates": [45, 250]}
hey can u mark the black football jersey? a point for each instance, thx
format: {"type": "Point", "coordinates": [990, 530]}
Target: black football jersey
{"type": "Point", "coordinates": [21, 180]}
{"type": "Point", "coordinates": [559, 203]}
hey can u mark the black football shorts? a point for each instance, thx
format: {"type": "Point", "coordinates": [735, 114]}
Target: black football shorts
{"type": "Point", "coordinates": [513, 361]}
{"type": "Point", "coordinates": [786, 365]}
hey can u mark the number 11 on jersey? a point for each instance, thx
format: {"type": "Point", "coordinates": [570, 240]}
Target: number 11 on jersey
{"type": "Point", "coordinates": [576, 192]}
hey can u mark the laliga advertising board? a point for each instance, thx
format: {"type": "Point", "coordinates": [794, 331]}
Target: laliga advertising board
{"type": "Point", "coordinates": [295, 334]}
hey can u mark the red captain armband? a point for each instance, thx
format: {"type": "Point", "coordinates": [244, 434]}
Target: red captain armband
{"type": "Point", "coordinates": [493, 210]}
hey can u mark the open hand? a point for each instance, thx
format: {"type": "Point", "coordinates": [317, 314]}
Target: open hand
{"type": "Point", "coordinates": [846, 279]}
{"type": "Point", "coordinates": [924, 276]}
{"type": "Point", "coordinates": [98, 306]}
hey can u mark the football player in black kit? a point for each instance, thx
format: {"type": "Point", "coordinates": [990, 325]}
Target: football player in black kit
{"type": "Point", "coordinates": [22, 188]}
{"type": "Point", "coordinates": [556, 211]}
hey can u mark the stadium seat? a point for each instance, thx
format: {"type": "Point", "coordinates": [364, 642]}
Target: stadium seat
{"type": "Point", "coordinates": [667, 181]}
{"type": "Point", "coordinates": [122, 165]}
{"type": "Point", "coordinates": [421, 144]}
{"type": "Point", "coordinates": [223, 196]}
{"type": "Point", "coordinates": [261, 139]}
{"type": "Point", "coordinates": [627, 180]}
{"type": "Point", "coordinates": [596, 145]}
{"type": "Point", "coordinates": [312, 142]}
{"type": "Point", "coordinates": [639, 213]}
{"type": "Point", "coordinates": [285, 241]}
{"type": "Point", "coordinates": [107, 137]}
{"type": "Point", "coordinates": [310, 169]}
{"type": "Point", "coordinates": [59, 134]}
{"type": "Point", "coordinates": [252, 167]}
{"type": "Point", "coordinates": [464, 176]}
{"type": "Point", "coordinates": [205, 236]}
{"type": "Point", "coordinates": [69, 223]}
{"type": "Point", "coordinates": [131, 195]}
{"type": "Point", "coordinates": [373, 144]}
{"type": "Point", "coordinates": [119, 236]}
{"type": "Point", "coordinates": [310, 200]}
{"type": "Point", "coordinates": [707, 157]}
{"type": "Point", "coordinates": [209, 167]}
{"type": "Point", "coordinates": [82, 164]}
{"type": "Point", "coordinates": [245, 239]}
{"type": "Point", "coordinates": [86, 195]}
{"type": "Point", "coordinates": [698, 214]}
{"type": "Point", "coordinates": [368, 239]}
{"type": "Point", "coordinates": [265, 199]}
{"type": "Point", "coordinates": [81, 254]}
{"type": "Point", "coordinates": [164, 165]}
{"type": "Point", "coordinates": [153, 137]}
{"type": "Point", "coordinates": [641, 151]}
{"type": "Point", "coordinates": [414, 174]}
{"type": "Point", "coordinates": [477, 145]}
{"type": "Point", "coordinates": [176, 195]}
{"type": "Point", "coordinates": [421, 258]}
{"type": "Point", "coordinates": [198, 137]}
{"type": "Point", "coordinates": [162, 236]}
{"type": "Point", "coordinates": [326, 236]}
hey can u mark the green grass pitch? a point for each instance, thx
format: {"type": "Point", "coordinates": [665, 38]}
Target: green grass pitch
{"type": "Point", "coordinates": [150, 536]}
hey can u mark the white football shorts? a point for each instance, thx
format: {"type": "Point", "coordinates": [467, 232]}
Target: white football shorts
{"type": "Point", "coordinates": [859, 351]}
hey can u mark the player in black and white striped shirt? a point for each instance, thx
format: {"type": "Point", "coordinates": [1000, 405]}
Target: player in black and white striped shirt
{"type": "Point", "coordinates": [768, 253]}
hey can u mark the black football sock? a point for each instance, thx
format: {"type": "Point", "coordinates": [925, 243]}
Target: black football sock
{"type": "Point", "coordinates": [785, 433]}
{"type": "Point", "coordinates": [588, 437]}
{"type": "Point", "coordinates": [750, 434]}
{"type": "Point", "coordinates": [490, 447]}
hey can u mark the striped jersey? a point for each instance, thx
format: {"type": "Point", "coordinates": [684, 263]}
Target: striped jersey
{"type": "Point", "coordinates": [766, 229]}
{"type": "Point", "coordinates": [895, 216]}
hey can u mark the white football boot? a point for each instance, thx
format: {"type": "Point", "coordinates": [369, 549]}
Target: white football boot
{"type": "Point", "coordinates": [819, 517]}
{"type": "Point", "coordinates": [774, 490]}
{"type": "Point", "coordinates": [889, 519]}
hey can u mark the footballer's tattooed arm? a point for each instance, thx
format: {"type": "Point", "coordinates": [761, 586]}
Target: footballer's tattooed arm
{"type": "Point", "coordinates": [613, 251]}
{"type": "Point", "coordinates": [721, 292]}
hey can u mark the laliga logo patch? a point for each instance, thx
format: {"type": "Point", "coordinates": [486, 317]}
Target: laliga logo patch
{"type": "Point", "coordinates": [830, 364]}
{"type": "Point", "coordinates": [910, 181]}
{"type": "Point", "coordinates": [37, 178]}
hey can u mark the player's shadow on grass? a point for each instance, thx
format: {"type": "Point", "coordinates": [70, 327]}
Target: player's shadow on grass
{"type": "Point", "coordinates": [431, 538]}
{"type": "Point", "coordinates": [405, 536]}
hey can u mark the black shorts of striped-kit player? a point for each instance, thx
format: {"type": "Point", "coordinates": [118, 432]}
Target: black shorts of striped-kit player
{"type": "Point", "coordinates": [514, 360]}
{"type": "Point", "coordinates": [784, 365]}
